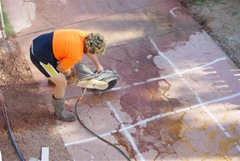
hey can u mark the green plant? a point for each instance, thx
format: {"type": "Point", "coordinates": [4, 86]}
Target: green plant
{"type": "Point", "coordinates": [8, 28]}
{"type": "Point", "coordinates": [200, 2]}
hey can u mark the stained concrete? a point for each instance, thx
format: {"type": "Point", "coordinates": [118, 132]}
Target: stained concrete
{"type": "Point", "coordinates": [178, 93]}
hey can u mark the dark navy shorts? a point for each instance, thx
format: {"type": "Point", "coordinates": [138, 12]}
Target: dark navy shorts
{"type": "Point", "coordinates": [42, 56]}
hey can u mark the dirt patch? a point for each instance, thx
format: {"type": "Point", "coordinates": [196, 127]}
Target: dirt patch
{"type": "Point", "coordinates": [221, 19]}
{"type": "Point", "coordinates": [32, 124]}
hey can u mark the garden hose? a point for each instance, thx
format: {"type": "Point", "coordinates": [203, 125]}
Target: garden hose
{"type": "Point", "coordinates": [5, 115]}
{"type": "Point", "coordinates": [94, 134]}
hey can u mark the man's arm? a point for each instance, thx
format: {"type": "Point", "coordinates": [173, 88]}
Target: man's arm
{"type": "Point", "coordinates": [95, 61]}
{"type": "Point", "coordinates": [61, 70]}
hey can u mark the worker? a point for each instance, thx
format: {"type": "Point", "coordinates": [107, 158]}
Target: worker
{"type": "Point", "coordinates": [55, 54]}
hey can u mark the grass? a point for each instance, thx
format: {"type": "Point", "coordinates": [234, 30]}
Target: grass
{"type": "Point", "coordinates": [200, 2]}
{"type": "Point", "coordinates": [8, 28]}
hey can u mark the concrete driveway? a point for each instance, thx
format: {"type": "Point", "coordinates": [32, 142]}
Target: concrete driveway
{"type": "Point", "coordinates": [178, 97]}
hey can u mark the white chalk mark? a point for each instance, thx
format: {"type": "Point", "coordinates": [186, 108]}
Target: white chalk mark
{"type": "Point", "coordinates": [143, 122]}
{"type": "Point", "coordinates": [216, 121]}
{"type": "Point", "coordinates": [149, 56]}
{"type": "Point", "coordinates": [171, 75]}
{"type": "Point", "coordinates": [127, 134]}
{"type": "Point", "coordinates": [172, 11]}
{"type": "Point", "coordinates": [195, 93]}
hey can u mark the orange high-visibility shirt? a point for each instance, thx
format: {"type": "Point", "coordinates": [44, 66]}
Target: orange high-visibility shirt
{"type": "Point", "coordinates": [68, 46]}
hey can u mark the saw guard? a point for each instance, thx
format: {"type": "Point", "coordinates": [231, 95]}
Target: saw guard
{"type": "Point", "coordinates": [111, 84]}
{"type": "Point", "coordinates": [92, 84]}
{"type": "Point", "coordinates": [96, 82]}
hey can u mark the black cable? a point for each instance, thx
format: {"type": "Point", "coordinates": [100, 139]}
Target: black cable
{"type": "Point", "coordinates": [98, 135]}
{"type": "Point", "coordinates": [4, 109]}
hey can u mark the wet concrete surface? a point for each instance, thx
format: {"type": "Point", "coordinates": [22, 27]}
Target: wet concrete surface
{"type": "Point", "coordinates": [178, 93]}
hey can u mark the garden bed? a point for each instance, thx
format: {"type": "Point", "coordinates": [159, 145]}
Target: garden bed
{"type": "Point", "coordinates": [221, 19]}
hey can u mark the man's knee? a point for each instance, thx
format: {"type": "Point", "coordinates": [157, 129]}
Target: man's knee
{"type": "Point", "coordinates": [59, 80]}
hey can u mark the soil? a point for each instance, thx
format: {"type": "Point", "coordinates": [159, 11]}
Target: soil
{"type": "Point", "coordinates": [30, 118]}
{"type": "Point", "coordinates": [221, 19]}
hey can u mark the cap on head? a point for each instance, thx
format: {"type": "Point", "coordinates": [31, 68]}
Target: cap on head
{"type": "Point", "coordinates": [95, 43]}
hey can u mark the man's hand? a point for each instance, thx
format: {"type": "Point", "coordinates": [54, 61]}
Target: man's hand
{"type": "Point", "coordinates": [67, 72]}
{"type": "Point", "coordinates": [96, 62]}
{"type": "Point", "coordinates": [99, 68]}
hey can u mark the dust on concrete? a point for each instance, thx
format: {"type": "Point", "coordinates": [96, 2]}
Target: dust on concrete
{"type": "Point", "coordinates": [31, 122]}
{"type": "Point", "coordinates": [221, 19]}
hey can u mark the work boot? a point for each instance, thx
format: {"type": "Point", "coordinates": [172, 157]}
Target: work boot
{"type": "Point", "coordinates": [59, 113]}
